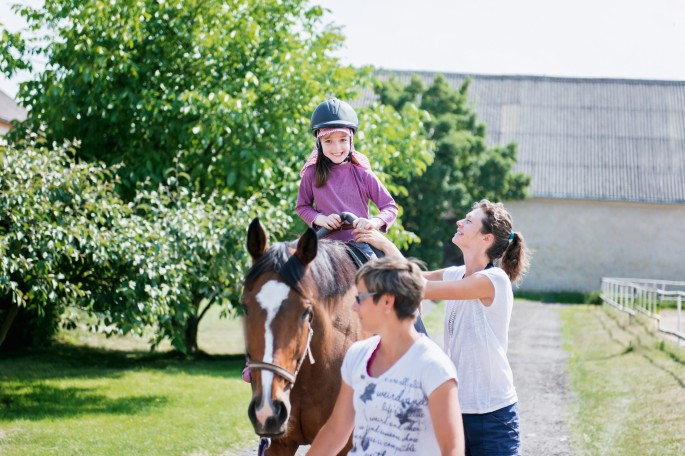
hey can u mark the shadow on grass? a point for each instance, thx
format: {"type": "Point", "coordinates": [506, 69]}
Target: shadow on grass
{"type": "Point", "coordinates": [71, 361]}
{"type": "Point", "coordinates": [38, 401]}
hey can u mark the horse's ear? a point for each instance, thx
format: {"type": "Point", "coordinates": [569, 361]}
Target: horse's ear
{"type": "Point", "coordinates": [307, 246]}
{"type": "Point", "coordinates": [257, 240]}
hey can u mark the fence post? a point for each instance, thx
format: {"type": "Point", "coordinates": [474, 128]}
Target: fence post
{"type": "Point", "coordinates": [679, 301]}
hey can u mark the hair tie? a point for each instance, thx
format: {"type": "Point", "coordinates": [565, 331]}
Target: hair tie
{"type": "Point", "coordinates": [511, 236]}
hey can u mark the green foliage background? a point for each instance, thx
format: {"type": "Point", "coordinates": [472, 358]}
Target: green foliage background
{"type": "Point", "coordinates": [158, 129]}
{"type": "Point", "coordinates": [465, 168]}
{"type": "Point", "coordinates": [192, 117]}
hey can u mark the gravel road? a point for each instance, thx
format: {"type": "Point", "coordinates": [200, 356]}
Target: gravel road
{"type": "Point", "coordinates": [539, 364]}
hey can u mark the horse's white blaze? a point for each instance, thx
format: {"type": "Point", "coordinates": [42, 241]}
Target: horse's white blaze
{"type": "Point", "coordinates": [270, 298]}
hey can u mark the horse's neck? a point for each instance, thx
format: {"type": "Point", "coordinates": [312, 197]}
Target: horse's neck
{"type": "Point", "coordinates": [338, 330]}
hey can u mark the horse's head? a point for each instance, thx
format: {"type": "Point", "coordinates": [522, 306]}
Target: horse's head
{"type": "Point", "coordinates": [277, 324]}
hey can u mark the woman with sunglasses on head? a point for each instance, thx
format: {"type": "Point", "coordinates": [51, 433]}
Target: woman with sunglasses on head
{"type": "Point", "coordinates": [399, 390]}
{"type": "Point", "coordinates": [479, 301]}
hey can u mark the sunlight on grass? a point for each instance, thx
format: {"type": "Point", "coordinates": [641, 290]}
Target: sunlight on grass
{"type": "Point", "coordinates": [76, 401]}
{"type": "Point", "coordinates": [434, 320]}
{"type": "Point", "coordinates": [629, 385]}
{"type": "Point", "coordinates": [93, 395]}
{"type": "Point", "coordinates": [216, 335]}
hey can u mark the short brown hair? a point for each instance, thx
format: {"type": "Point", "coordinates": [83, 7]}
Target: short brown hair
{"type": "Point", "coordinates": [399, 277]}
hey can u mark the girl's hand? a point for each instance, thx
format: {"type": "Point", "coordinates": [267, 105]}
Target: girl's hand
{"type": "Point", "coordinates": [331, 222]}
{"type": "Point", "coordinates": [367, 224]}
{"type": "Point", "coordinates": [364, 224]}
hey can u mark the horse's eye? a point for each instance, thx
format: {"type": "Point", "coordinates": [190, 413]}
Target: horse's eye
{"type": "Point", "coordinates": [308, 313]}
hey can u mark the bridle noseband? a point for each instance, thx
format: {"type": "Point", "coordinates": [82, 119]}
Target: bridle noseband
{"type": "Point", "coordinates": [282, 371]}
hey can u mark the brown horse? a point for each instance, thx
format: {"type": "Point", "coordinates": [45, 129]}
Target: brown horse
{"type": "Point", "coordinates": [297, 305]}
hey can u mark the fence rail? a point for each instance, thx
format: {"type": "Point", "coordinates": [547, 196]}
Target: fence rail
{"type": "Point", "coordinates": [644, 296]}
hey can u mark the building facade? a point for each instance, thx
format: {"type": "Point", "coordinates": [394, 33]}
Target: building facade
{"type": "Point", "coordinates": [607, 162]}
{"type": "Point", "coordinates": [9, 111]}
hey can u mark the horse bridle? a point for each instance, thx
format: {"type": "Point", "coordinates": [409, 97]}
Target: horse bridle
{"type": "Point", "coordinates": [282, 371]}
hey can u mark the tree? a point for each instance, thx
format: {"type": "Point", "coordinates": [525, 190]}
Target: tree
{"type": "Point", "coordinates": [221, 91]}
{"type": "Point", "coordinates": [228, 85]}
{"type": "Point", "coordinates": [69, 242]}
{"type": "Point", "coordinates": [57, 220]}
{"type": "Point", "coordinates": [464, 170]}
{"type": "Point", "coordinates": [197, 245]}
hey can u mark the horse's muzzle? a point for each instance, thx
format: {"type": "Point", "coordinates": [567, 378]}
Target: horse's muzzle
{"type": "Point", "coordinates": [269, 418]}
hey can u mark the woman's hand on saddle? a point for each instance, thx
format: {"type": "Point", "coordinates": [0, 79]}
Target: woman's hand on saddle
{"type": "Point", "coordinates": [331, 222]}
{"type": "Point", "coordinates": [376, 239]}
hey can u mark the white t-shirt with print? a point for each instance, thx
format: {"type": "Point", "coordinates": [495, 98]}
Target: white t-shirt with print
{"type": "Point", "coordinates": [391, 415]}
{"type": "Point", "coordinates": [476, 339]}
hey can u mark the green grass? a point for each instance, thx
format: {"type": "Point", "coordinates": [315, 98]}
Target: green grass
{"type": "Point", "coordinates": [557, 297]}
{"type": "Point", "coordinates": [215, 336]}
{"type": "Point", "coordinates": [628, 385]}
{"type": "Point", "coordinates": [434, 320]}
{"type": "Point", "coordinates": [113, 397]}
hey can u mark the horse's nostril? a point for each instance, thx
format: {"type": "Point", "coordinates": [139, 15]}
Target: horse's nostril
{"type": "Point", "coordinates": [251, 409]}
{"type": "Point", "coordinates": [281, 411]}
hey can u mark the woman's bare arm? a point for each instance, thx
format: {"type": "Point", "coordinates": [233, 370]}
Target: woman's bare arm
{"type": "Point", "coordinates": [333, 436]}
{"type": "Point", "coordinates": [445, 411]}
{"type": "Point", "coordinates": [476, 286]}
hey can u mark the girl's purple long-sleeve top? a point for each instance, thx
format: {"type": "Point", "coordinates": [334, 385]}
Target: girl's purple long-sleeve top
{"type": "Point", "coordinates": [349, 188]}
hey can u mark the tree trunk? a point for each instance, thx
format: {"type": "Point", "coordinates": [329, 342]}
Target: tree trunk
{"type": "Point", "coordinates": [190, 338]}
{"type": "Point", "coordinates": [8, 320]}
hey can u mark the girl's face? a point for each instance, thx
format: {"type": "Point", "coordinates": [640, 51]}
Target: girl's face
{"type": "Point", "coordinates": [469, 229]}
{"type": "Point", "coordinates": [336, 146]}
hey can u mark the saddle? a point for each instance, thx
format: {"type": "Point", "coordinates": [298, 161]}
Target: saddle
{"type": "Point", "coordinates": [360, 257]}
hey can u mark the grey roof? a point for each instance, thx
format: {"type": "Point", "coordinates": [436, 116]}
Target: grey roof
{"type": "Point", "coordinates": [9, 109]}
{"type": "Point", "coordinates": [602, 139]}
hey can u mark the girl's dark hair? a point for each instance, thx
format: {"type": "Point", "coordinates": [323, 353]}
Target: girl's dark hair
{"type": "Point", "coordinates": [323, 167]}
{"type": "Point", "coordinates": [395, 276]}
{"type": "Point", "coordinates": [511, 251]}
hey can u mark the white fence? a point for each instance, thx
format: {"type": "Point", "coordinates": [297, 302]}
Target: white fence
{"type": "Point", "coordinates": [644, 296]}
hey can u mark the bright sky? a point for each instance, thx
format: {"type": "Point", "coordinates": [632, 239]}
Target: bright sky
{"type": "Point", "coordinates": [637, 39]}
{"type": "Point", "coordinates": [640, 39]}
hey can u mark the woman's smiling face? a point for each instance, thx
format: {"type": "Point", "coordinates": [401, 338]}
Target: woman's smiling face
{"type": "Point", "coordinates": [469, 228]}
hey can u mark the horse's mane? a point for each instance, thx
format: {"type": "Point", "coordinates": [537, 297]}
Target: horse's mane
{"type": "Point", "coordinates": [332, 270]}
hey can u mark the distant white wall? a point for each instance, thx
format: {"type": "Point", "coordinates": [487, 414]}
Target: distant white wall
{"type": "Point", "coordinates": [577, 242]}
{"type": "Point", "coordinates": [4, 128]}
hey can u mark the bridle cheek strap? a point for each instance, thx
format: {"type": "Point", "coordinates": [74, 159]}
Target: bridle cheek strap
{"type": "Point", "coordinates": [283, 372]}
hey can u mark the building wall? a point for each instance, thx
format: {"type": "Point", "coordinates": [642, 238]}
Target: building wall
{"type": "Point", "coordinates": [577, 242]}
{"type": "Point", "coordinates": [4, 128]}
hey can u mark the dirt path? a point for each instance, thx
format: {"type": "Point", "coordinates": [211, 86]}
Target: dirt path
{"type": "Point", "coordinates": [539, 365]}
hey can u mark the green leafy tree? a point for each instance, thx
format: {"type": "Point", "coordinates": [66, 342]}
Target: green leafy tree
{"type": "Point", "coordinates": [463, 171]}
{"type": "Point", "coordinates": [222, 90]}
{"type": "Point", "coordinates": [228, 84]}
{"type": "Point", "coordinates": [198, 244]}
{"type": "Point", "coordinates": [68, 241]}
{"type": "Point", "coordinates": [57, 229]}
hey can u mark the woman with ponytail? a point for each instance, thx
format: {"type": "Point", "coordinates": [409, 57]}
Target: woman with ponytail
{"type": "Point", "coordinates": [479, 301]}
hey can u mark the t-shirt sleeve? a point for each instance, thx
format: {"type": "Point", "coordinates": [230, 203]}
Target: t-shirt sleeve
{"type": "Point", "coordinates": [438, 369]}
{"type": "Point", "coordinates": [453, 273]}
{"type": "Point", "coordinates": [355, 356]}
{"type": "Point", "coordinates": [499, 280]}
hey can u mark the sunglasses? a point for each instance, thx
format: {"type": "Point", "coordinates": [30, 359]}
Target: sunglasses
{"type": "Point", "coordinates": [361, 297]}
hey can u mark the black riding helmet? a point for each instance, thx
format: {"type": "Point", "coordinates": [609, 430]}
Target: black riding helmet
{"type": "Point", "coordinates": [334, 113]}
